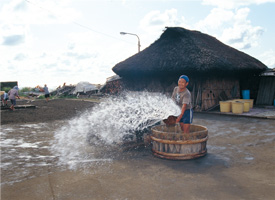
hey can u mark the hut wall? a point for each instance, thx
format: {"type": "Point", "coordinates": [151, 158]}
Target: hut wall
{"type": "Point", "coordinates": [206, 92]}
{"type": "Point", "coordinates": [150, 84]}
{"type": "Point", "coordinates": [215, 90]}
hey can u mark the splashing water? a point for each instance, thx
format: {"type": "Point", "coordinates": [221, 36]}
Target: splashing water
{"type": "Point", "coordinates": [107, 123]}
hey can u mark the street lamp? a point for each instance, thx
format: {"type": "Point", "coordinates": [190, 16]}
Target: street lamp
{"type": "Point", "coordinates": [124, 33]}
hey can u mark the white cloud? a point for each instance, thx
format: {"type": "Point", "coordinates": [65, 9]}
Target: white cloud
{"type": "Point", "coordinates": [31, 64]}
{"type": "Point", "coordinates": [242, 34]}
{"type": "Point", "coordinates": [37, 12]}
{"type": "Point", "coordinates": [268, 58]}
{"type": "Point", "coordinates": [231, 4]}
{"type": "Point", "coordinates": [86, 57]}
{"type": "Point", "coordinates": [155, 22]}
{"type": "Point", "coordinates": [217, 18]}
{"type": "Point", "coordinates": [17, 16]}
{"type": "Point", "coordinates": [231, 27]}
{"type": "Point", "coordinates": [13, 40]}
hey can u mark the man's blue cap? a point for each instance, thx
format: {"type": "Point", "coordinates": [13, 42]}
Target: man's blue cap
{"type": "Point", "coordinates": [16, 87]}
{"type": "Point", "coordinates": [185, 78]}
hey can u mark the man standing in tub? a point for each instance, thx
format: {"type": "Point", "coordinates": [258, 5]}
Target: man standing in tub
{"type": "Point", "coordinates": [182, 96]}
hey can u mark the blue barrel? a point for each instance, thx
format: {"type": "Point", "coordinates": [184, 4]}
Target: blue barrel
{"type": "Point", "coordinates": [246, 94]}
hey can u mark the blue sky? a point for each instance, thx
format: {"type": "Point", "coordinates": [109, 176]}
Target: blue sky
{"type": "Point", "coordinates": [57, 41]}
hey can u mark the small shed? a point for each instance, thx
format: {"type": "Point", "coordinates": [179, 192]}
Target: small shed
{"type": "Point", "coordinates": [216, 70]}
{"type": "Point", "coordinates": [8, 85]}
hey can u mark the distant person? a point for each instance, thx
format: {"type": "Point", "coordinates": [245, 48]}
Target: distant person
{"type": "Point", "coordinates": [4, 99]}
{"type": "Point", "coordinates": [47, 93]}
{"type": "Point", "coordinates": [13, 93]}
{"type": "Point", "coordinates": [45, 90]}
{"type": "Point", "coordinates": [182, 97]}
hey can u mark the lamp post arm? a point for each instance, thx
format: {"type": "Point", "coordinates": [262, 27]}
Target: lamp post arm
{"type": "Point", "coordinates": [124, 33]}
{"type": "Point", "coordinates": [138, 40]}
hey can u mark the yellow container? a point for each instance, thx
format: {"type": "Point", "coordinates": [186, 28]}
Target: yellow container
{"type": "Point", "coordinates": [246, 106]}
{"type": "Point", "coordinates": [225, 106]}
{"type": "Point", "coordinates": [237, 107]}
{"type": "Point", "coordinates": [230, 101]}
{"type": "Point", "coordinates": [246, 100]}
{"type": "Point", "coordinates": [250, 102]}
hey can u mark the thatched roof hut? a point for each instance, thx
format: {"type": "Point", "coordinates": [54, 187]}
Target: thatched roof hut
{"type": "Point", "coordinates": [213, 67]}
{"type": "Point", "coordinates": [180, 50]}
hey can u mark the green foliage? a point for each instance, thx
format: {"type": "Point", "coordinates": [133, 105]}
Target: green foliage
{"type": "Point", "coordinates": [26, 89]}
{"type": "Point", "coordinates": [6, 89]}
{"type": "Point", "coordinates": [41, 97]}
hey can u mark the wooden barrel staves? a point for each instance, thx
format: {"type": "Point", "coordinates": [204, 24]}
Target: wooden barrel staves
{"type": "Point", "coordinates": [171, 143]}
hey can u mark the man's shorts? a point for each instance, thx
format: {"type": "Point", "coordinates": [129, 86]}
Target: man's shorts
{"type": "Point", "coordinates": [47, 95]}
{"type": "Point", "coordinates": [187, 117]}
{"type": "Point", "coordinates": [13, 102]}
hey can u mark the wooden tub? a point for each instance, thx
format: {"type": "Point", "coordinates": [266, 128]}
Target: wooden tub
{"type": "Point", "coordinates": [169, 142]}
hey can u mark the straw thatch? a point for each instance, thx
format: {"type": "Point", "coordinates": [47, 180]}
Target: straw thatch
{"type": "Point", "coordinates": [179, 50]}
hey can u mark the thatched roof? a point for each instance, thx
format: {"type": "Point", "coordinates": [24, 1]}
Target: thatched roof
{"type": "Point", "coordinates": [179, 50]}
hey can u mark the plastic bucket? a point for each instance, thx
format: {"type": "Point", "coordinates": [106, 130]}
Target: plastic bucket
{"type": "Point", "coordinates": [230, 101]}
{"type": "Point", "coordinates": [251, 101]}
{"type": "Point", "coordinates": [246, 94]}
{"type": "Point", "coordinates": [237, 107]}
{"type": "Point", "coordinates": [246, 106]}
{"type": "Point", "coordinates": [225, 106]}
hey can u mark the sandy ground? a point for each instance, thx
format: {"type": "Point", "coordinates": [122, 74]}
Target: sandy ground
{"type": "Point", "coordinates": [240, 163]}
{"type": "Point", "coordinates": [58, 109]}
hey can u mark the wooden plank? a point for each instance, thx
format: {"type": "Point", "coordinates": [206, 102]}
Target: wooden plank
{"type": "Point", "coordinates": [19, 107]}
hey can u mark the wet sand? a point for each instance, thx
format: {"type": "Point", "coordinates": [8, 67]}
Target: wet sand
{"type": "Point", "coordinates": [240, 164]}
